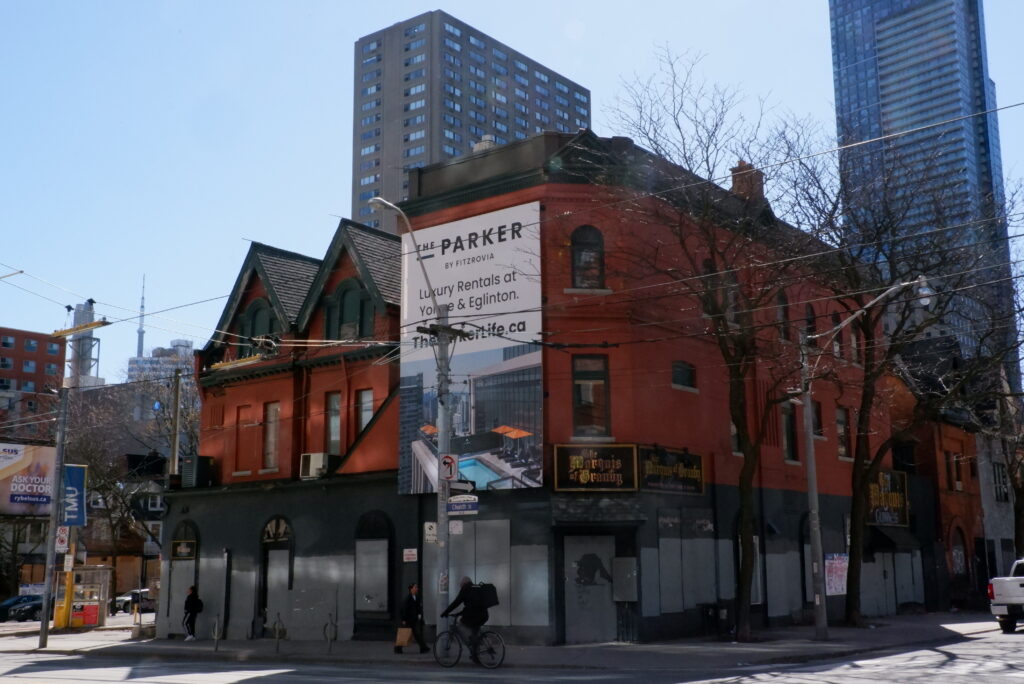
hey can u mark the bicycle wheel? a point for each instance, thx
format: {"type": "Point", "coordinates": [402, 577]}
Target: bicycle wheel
{"type": "Point", "coordinates": [490, 650]}
{"type": "Point", "coordinates": [447, 649]}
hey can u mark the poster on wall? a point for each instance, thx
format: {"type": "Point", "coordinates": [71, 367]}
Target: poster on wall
{"type": "Point", "coordinates": [836, 566]}
{"type": "Point", "coordinates": [887, 500]}
{"type": "Point", "coordinates": [26, 478]}
{"type": "Point", "coordinates": [483, 272]}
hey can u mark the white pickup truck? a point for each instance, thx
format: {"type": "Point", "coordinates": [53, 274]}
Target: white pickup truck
{"type": "Point", "coordinates": [1006, 595]}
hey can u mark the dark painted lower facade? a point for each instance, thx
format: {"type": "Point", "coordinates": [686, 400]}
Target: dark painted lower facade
{"type": "Point", "coordinates": [297, 558]}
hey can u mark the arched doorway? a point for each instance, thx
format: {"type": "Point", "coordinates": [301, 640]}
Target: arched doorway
{"type": "Point", "coordinates": [277, 556]}
{"type": "Point", "coordinates": [184, 571]}
{"type": "Point", "coordinates": [374, 574]}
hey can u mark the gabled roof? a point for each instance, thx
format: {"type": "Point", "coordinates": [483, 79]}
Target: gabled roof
{"type": "Point", "coordinates": [285, 275]}
{"type": "Point", "coordinates": [377, 258]}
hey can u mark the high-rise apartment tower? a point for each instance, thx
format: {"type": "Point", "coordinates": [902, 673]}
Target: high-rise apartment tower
{"type": "Point", "coordinates": [918, 69]}
{"type": "Point", "coordinates": [429, 88]}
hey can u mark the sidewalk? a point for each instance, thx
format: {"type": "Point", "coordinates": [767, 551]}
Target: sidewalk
{"type": "Point", "coordinates": [781, 645]}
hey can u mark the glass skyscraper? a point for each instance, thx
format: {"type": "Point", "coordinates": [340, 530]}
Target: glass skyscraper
{"type": "Point", "coordinates": [918, 68]}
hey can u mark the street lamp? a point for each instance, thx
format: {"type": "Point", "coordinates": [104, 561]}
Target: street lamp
{"type": "Point", "coordinates": [814, 518]}
{"type": "Point", "coordinates": [444, 334]}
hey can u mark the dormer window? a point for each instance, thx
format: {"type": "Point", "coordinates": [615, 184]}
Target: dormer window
{"type": "Point", "coordinates": [349, 312]}
{"type": "Point", "coordinates": [258, 320]}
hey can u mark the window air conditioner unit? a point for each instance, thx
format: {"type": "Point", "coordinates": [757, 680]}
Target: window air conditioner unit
{"type": "Point", "coordinates": [312, 466]}
{"type": "Point", "coordinates": [959, 486]}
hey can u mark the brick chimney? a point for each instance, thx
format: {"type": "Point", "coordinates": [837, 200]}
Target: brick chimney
{"type": "Point", "coordinates": [747, 182]}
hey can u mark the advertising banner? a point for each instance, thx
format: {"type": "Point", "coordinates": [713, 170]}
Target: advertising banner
{"type": "Point", "coordinates": [26, 479]}
{"type": "Point", "coordinates": [483, 272]}
{"type": "Point", "coordinates": [597, 468]}
{"type": "Point", "coordinates": [671, 470]}
{"type": "Point", "coordinates": [74, 495]}
{"type": "Point", "coordinates": [887, 500]}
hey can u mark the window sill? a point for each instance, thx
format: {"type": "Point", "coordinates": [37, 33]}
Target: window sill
{"type": "Point", "coordinates": [264, 471]}
{"type": "Point", "coordinates": [846, 459]}
{"type": "Point", "coordinates": [241, 473]}
{"type": "Point", "coordinates": [584, 290]}
{"type": "Point", "coordinates": [579, 439]}
{"type": "Point", "coordinates": [820, 438]}
{"type": "Point", "coordinates": [789, 461]}
{"type": "Point", "coordinates": [738, 453]}
{"type": "Point", "coordinates": [685, 388]}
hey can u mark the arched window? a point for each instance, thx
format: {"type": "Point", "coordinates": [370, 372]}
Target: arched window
{"type": "Point", "coordinates": [782, 315]}
{"type": "Point", "coordinates": [258, 320]}
{"type": "Point", "coordinates": [837, 336]}
{"type": "Point", "coordinates": [349, 312]}
{"type": "Point", "coordinates": [810, 323]}
{"type": "Point", "coordinates": [587, 258]}
{"type": "Point", "coordinates": [958, 553]}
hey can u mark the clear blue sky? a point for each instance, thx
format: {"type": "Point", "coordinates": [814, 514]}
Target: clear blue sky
{"type": "Point", "coordinates": [156, 137]}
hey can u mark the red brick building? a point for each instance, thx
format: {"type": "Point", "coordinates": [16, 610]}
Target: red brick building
{"type": "Point", "coordinates": [31, 364]}
{"type": "Point", "coordinates": [619, 521]}
{"type": "Point", "coordinates": [298, 430]}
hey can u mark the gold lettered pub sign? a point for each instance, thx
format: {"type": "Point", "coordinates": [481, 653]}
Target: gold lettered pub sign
{"type": "Point", "coordinates": [887, 500]}
{"type": "Point", "coordinates": [595, 468]}
{"type": "Point", "coordinates": [671, 470]}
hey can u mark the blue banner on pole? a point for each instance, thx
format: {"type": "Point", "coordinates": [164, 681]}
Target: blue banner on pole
{"type": "Point", "coordinates": [74, 495]}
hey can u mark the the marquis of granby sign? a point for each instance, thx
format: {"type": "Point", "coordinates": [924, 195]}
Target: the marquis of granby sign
{"type": "Point", "coordinates": [595, 468]}
{"type": "Point", "coordinates": [671, 470]}
{"type": "Point", "coordinates": [887, 500]}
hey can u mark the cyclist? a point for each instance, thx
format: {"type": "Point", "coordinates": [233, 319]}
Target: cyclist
{"type": "Point", "coordinates": [473, 615]}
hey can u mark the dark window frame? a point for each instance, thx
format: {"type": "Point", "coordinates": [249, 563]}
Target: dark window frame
{"type": "Point", "coordinates": [588, 267]}
{"type": "Point", "coordinates": [581, 377]}
{"type": "Point", "coordinates": [790, 433]}
{"type": "Point", "coordinates": [684, 375]}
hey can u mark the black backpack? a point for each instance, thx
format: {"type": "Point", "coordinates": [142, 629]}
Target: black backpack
{"type": "Point", "coordinates": [199, 605]}
{"type": "Point", "coordinates": [484, 595]}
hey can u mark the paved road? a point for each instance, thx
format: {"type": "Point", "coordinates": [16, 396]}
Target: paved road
{"type": "Point", "coordinates": [53, 669]}
{"type": "Point", "coordinates": [119, 620]}
{"type": "Point", "coordinates": [993, 657]}
{"type": "Point", "coordinates": [987, 656]}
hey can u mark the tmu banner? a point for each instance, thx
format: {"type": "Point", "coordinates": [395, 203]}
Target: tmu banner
{"type": "Point", "coordinates": [74, 495]}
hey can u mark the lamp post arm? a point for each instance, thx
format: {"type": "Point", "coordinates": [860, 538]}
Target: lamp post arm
{"type": "Point", "coordinates": [381, 202]}
{"type": "Point", "coordinates": [856, 314]}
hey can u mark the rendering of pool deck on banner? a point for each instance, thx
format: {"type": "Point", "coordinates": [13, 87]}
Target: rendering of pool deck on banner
{"type": "Point", "coordinates": [484, 271]}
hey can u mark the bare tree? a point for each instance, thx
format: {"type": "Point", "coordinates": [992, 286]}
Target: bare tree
{"type": "Point", "coordinates": [878, 243]}
{"type": "Point", "coordinates": [720, 251]}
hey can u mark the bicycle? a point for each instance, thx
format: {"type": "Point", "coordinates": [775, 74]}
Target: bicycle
{"type": "Point", "coordinates": [489, 651]}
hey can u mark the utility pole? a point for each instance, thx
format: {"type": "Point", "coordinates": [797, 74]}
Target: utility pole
{"type": "Point", "coordinates": [444, 420]}
{"type": "Point", "coordinates": [56, 517]}
{"type": "Point", "coordinates": [445, 335]}
{"type": "Point", "coordinates": [923, 296]}
{"type": "Point", "coordinates": [814, 517]}
{"type": "Point", "coordinates": [172, 461]}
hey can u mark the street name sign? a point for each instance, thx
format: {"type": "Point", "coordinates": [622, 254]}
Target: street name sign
{"type": "Point", "coordinates": [463, 504]}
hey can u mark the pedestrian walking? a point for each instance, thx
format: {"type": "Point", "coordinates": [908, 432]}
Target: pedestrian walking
{"type": "Point", "coordinates": [193, 607]}
{"type": "Point", "coordinates": [411, 619]}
